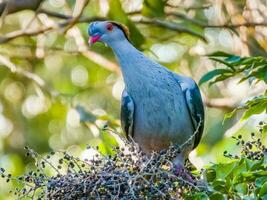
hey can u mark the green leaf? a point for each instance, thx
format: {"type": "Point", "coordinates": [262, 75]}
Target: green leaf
{"type": "Point", "coordinates": [248, 67]}
{"type": "Point", "coordinates": [198, 196]}
{"type": "Point", "coordinates": [210, 75]}
{"type": "Point", "coordinates": [241, 188]}
{"type": "Point", "coordinates": [153, 8]}
{"type": "Point", "coordinates": [107, 144]}
{"type": "Point", "coordinates": [254, 174]}
{"type": "Point", "coordinates": [264, 127]}
{"type": "Point", "coordinates": [260, 73]}
{"type": "Point", "coordinates": [223, 170]}
{"type": "Point", "coordinates": [217, 196]}
{"type": "Point", "coordinates": [257, 165]}
{"type": "Point", "coordinates": [221, 78]}
{"type": "Point", "coordinates": [264, 197]}
{"type": "Point", "coordinates": [265, 158]}
{"type": "Point", "coordinates": [220, 185]}
{"type": "Point", "coordinates": [233, 59]}
{"type": "Point", "coordinates": [219, 54]}
{"type": "Point", "coordinates": [254, 106]}
{"type": "Point", "coordinates": [224, 62]}
{"type": "Point", "coordinates": [260, 181]}
{"type": "Point", "coordinates": [238, 170]}
{"type": "Point", "coordinates": [248, 60]}
{"type": "Point", "coordinates": [263, 190]}
{"type": "Point", "coordinates": [249, 163]}
{"type": "Point", "coordinates": [255, 109]}
{"type": "Point", "coordinates": [230, 114]}
{"type": "Point", "coordinates": [210, 174]}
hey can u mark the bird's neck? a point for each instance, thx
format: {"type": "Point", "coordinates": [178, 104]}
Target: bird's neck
{"type": "Point", "coordinates": [130, 60]}
{"type": "Point", "coordinates": [124, 51]}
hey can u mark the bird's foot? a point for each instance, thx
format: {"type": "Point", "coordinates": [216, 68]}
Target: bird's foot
{"type": "Point", "coordinates": [182, 172]}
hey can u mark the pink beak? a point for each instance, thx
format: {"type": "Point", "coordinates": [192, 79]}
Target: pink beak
{"type": "Point", "coordinates": [94, 39]}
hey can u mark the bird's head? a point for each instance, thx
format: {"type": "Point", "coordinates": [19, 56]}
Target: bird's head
{"type": "Point", "coordinates": [107, 32]}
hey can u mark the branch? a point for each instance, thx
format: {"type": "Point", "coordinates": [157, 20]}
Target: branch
{"type": "Point", "coordinates": [102, 61]}
{"type": "Point", "coordinates": [76, 15]}
{"type": "Point", "coordinates": [93, 56]}
{"type": "Point", "coordinates": [186, 18]}
{"type": "Point", "coordinates": [171, 26]}
{"type": "Point", "coordinates": [246, 24]}
{"type": "Point", "coordinates": [20, 33]}
{"type": "Point", "coordinates": [13, 6]}
{"type": "Point", "coordinates": [161, 23]}
{"type": "Point", "coordinates": [165, 24]}
{"type": "Point", "coordinates": [221, 103]}
{"type": "Point", "coordinates": [204, 25]}
{"type": "Point", "coordinates": [14, 69]}
{"type": "Point", "coordinates": [31, 76]}
{"type": "Point", "coordinates": [189, 8]}
{"type": "Point", "coordinates": [69, 18]}
{"type": "Point", "coordinates": [54, 14]}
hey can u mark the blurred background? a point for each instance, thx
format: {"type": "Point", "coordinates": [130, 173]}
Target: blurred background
{"type": "Point", "coordinates": [57, 93]}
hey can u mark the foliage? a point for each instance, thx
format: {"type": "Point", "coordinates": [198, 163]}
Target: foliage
{"type": "Point", "coordinates": [253, 69]}
{"type": "Point", "coordinates": [153, 8]}
{"type": "Point", "coordinates": [246, 176]}
{"type": "Point", "coordinates": [257, 105]}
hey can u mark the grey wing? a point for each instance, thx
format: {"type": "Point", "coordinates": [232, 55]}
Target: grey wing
{"type": "Point", "coordinates": [196, 110]}
{"type": "Point", "coordinates": [194, 103]}
{"type": "Point", "coordinates": [127, 114]}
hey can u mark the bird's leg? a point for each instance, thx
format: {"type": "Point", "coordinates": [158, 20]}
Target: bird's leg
{"type": "Point", "coordinates": [180, 170]}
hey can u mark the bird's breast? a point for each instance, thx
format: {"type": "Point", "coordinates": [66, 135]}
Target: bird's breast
{"type": "Point", "coordinates": [161, 114]}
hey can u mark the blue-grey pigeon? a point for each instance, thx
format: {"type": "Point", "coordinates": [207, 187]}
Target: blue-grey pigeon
{"type": "Point", "coordinates": [158, 107]}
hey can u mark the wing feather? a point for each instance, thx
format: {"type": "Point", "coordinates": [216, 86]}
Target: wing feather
{"type": "Point", "coordinates": [196, 110]}
{"type": "Point", "coordinates": [194, 103]}
{"type": "Point", "coordinates": [127, 114]}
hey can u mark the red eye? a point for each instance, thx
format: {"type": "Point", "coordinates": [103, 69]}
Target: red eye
{"type": "Point", "coordinates": [109, 27]}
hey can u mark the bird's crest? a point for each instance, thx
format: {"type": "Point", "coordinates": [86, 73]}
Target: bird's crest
{"type": "Point", "coordinates": [124, 29]}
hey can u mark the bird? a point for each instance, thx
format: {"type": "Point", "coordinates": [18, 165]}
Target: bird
{"type": "Point", "coordinates": [158, 107]}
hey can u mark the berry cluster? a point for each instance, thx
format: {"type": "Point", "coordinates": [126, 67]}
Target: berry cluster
{"type": "Point", "coordinates": [252, 149]}
{"type": "Point", "coordinates": [127, 174]}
